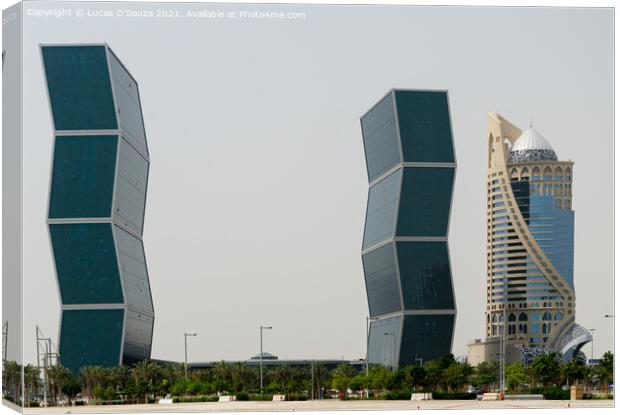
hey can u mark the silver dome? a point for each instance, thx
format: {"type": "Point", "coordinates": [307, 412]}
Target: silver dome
{"type": "Point", "coordinates": [531, 146]}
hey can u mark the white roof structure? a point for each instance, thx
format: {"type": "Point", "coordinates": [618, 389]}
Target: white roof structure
{"type": "Point", "coordinates": [531, 146]}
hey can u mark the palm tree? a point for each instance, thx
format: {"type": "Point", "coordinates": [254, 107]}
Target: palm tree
{"type": "Point", "coordinates": [144, 375]}
{"type": "Point", "coordinates": [100, 376]}
{"type": "Point", "coordinates": [243, 377]}
{"type": "Point", "coordinates": [13, 374]}
{"type": "Point", "coordinates": [321, 374]}
{"type": "Point", "coordinates": [89, 375]}
{"type": "Point", "coordinates": [222, 375]}
{"type": "Point", "coordinates": [118, 377]}
{"type": "Point", "coordinates": [57, 374]}
{"type": "Point", "coordinates": [32, 376]}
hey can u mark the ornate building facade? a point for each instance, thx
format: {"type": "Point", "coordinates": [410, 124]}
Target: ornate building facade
{"type": "Point", "coordinates": [530, 297]}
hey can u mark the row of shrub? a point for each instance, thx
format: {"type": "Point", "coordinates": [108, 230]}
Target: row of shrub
{"type": "Point", "coordinates": [551, 393]}
{"type": "Point", "coordinates": [454, 396]}
{"type": "Point", "coordinates": [202, 398]}
{"type": "Point", "coordinates": [241, 396]}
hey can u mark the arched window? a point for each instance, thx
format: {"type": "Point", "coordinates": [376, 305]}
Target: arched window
{"type": "Point", "coordinates": [494, 319]}
{"type": "Point", "coordinates": [501, 318]}
{"type": "Point", "coordinates": [547, 316]}
{"type": "Point", "coordinates": [535, 173]}
{"type": "Point", "coordinates": [567, 174]}
{"type": "Point", "coordinates": [512, 317]}
{"type": "Point", "coordinates": [547, 173]}
{"type": "Point", "coordinates": [525, 173]}
{"type": "Point", "coordinates": [557, 173]}
{"type": "Point", "coordinates": [558, 316]}
{"type": "Point", "coordinates": [514, 174]}
{"type": "Point", "coordinates": [522, 317]}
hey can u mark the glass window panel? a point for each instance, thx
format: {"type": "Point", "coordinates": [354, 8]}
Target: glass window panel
{"type": "Point", "coordinates": [425, 201]}
{"type": "Point", "coordinates": [79, 87]}
{"type": "Point", "coordinates": [133, 269]}
{"type": "Point", "coordinates": [380, 138]}
{"type": "Point", "coordinates": [427, 337]}
{"type": "Point", "coordinates": [425, 129]}
{"type": "Point", "coordinates": [381, 280]}
{"type": "Point", "coordinates": [131, 185]}
{"type": "Point", "coordinates": [425, 275]}
{"type": "Point", "coordinates": [86, 265]}
{"type": "Point", "coordinates": [90, 337]}
{"type": "Point", "coordinates": [381, 213]}
{"type": "Point", "coordinates": [138, 335]}
{"type": "Point", "coordinates": [128, 101]}
{"type": "Point", "coordinates": [382, 347]}
{"type": "Point", "coordinates": [83, 176]}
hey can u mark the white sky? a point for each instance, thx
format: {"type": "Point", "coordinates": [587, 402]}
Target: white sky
{"type": "Point", "coordinates": [258, 185]}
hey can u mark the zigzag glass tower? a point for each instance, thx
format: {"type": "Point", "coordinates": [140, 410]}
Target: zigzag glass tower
{"type": "Point", "coordinates": [96, 207]}
{"type": "Point", "coordinates": [411, 165]}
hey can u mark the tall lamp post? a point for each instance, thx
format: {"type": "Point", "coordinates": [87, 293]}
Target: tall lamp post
{"type": "Point", "coordinates": [261, 355]}
{"type": "Point", "coordinates": [185, 336]}
{"type": "Point", "coordinates": [368, 320]}
{"type": "Point", "coordinates": [592, 331]}
{"type": "Point", "coordinates": [393, 336]}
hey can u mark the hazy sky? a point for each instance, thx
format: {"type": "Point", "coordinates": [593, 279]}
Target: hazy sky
{"type": "Point", "coordinates": [258, 187]}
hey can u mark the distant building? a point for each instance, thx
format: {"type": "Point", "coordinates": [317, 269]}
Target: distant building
{"type": "Point", "coordinates": [266, 356]}
{"type": "Point", "coordinates": [410, 161]}
{"type": "Point", "coordinates": [96, 207]}
{"type": "Point", "coordinates": [530, 247]}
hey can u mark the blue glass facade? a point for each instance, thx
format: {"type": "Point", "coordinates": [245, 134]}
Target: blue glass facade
{"type": "Point", "coordinates": [553, 227]}
{"type": "Point", "coordinates": [96, 207]}
{"type": "Point", "coordinates": [410, 160]}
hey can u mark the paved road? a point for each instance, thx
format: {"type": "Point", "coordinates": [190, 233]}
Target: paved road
{"type": "Point", "coordinates": [324, 405]}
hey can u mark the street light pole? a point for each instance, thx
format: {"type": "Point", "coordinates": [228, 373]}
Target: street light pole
{"type": "Point", "coordinates": [185, 336]}
{"type": "Point", "coordinates": [261, 356]}
{"type": "Point", "coordinates": [592, 331]}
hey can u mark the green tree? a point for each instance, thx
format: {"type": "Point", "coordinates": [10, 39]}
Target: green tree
{"type": "Point", "coordinates": [71, 386]}
{"type": "Point", "coordinates": [358, 382]}
{"type": "Point", "coordinates": [57, 375]}
{"type": "Point", "coordinates": [605, 369]}
{"type": "Point", "coordinates": [516, 376]}
{"type": "Point", "coordinates": [222, 376]}
{"type": "Point", "coordinates": [379, 379]}
{"type": "Point", "coordinates": [573, 371]}
{"type": "Point", "coordinates": [321, 375]}
{"type": "Point", "coordinates": [88, 374]}
{"type": "Point", "coordinates": [433, 376]}
{"type": "Point", "coordinates": [485, 375]}
{"type": "Point", "coordinates": [456, 375]}
{"type": "Point", "coordinates": [341, 378]}
{"type": "Point", "coordinates": [32, 377]}
{"type": "Point", "coordinates": [546, 368]}
{"type": "Point", "coordinates": [12, 379]}
{"type": "Point", "coordinates": [145, 375]}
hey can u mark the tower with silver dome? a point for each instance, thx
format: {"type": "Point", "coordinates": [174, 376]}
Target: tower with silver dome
{"type": "Point", "coordinates": [530, 244]}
